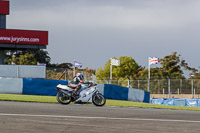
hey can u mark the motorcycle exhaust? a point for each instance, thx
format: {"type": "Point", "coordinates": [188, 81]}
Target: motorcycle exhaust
{"type": "Point", "coordinates": [65, 92]}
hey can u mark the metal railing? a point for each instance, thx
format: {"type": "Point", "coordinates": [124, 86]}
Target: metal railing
{"type": "Point", "coordinates": [157, 86]}
{"type": "Point", "coordinates": [161, 86]}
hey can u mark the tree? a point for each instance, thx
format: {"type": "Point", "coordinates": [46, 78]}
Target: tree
{"type": "Point", "coordinates": [27, 57]}
{"type": "Point", "coordinates": [172, 66]}
{"type": "Point", "coordinates": [128, 67]}
{"type": "Point", "coordinates": [155, 73]}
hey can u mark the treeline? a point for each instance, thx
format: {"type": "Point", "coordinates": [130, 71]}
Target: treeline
{"type": "Point", "coordinates": [172, 66]}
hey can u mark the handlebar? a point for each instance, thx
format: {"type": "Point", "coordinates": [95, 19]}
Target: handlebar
{"type": "Point", "coordinates": [91, 84]}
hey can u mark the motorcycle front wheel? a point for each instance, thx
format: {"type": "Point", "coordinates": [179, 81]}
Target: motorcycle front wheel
{"type": "Point", "coordinates": [63, 98]}
{"type": "Point", "coordinates": [98, 99]}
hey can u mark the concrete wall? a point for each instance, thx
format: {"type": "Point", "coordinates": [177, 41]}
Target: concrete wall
{"type": "Point", "coordinates": [22, 71]}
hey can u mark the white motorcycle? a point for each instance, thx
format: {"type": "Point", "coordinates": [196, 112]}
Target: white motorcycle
{"type": "Point", "coordinates": [88, 94]}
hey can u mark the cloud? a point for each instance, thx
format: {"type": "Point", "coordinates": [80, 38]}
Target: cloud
{"type": "Point", "coordinates": [149, 15]}
{"type": "Point", "coordinates": [138, 28]}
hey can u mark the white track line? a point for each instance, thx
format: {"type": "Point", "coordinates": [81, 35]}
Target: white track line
{"type": "Point", "coordinates": [105, 118]}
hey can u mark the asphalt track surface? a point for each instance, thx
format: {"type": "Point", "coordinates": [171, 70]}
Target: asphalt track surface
{"type": "Point", "coordinates": [23, 117]}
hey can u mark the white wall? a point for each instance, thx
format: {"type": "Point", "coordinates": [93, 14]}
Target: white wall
{"type": "Point", "coordinates": [23, 71]}
{"type": "Point", "coordinates": [11, 85]}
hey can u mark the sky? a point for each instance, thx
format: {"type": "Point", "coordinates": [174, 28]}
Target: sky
{"type": "Point", "coordinates": [93, 31]}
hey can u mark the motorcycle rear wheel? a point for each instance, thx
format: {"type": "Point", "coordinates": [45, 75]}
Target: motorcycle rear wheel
{"type": "Point", "coordinates": [63, 98]}
{"type": "Point", "coordinates": [98, 99]}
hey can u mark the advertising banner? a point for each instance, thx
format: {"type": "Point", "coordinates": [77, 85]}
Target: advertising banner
{"type": "Point", "coordinates": [4, 7]}
{"type": "Point", "coordinates": [8, 36]}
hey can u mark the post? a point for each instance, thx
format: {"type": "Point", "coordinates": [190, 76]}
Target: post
{"type": "Point", "coordinates": [159, 86]}
{"type": "Point", "coordinates": [192, 86]}
{"type": "Point", "coordinates": [74, 72]}
{"type": "Point", "coordinates": [181, 82]}
{"type": "Point", "coordinates": [149, 77]}
{"type": "Point", "coordinates": [169, 88]}
{"type": "Point", "coordinates": [17, 71]}
{"type": "Point", "coordinates": [110, 72]}
{"type": "Point", "coordinates": [74, 69]}
{"type": "Point", "coordinates": [178, 91]}
{"type": "Point", "coordinates": [163, 91]}
{"type": "Point", "coordinates": [138, 84]}
{"type": "Point", "coordinates": [65, 75]}
{"type": "Point", "coordinates": [62, 75]}
{"type": "Point", "coordinates": [128, 82]}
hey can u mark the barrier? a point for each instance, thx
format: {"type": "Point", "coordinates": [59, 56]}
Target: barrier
{"type": "Point", "coordinates": [146, 97]}
{"type": "Point", "coordinates": [135, 95]}
{"type": "Point", "coordinates": [48, 88]}
{"type": "Point", "coordinates": [115, 92]}
{"type": "Point", "coordinates": [176, 102]}
{"type": "Point", "coordinates": [122, 93]}
{"type": "Point", "coordinates": [11, 85]}
{"type": "Point", "coordinates": [23, 71]}
{"type": "Point", "coordinates": [41, 86]}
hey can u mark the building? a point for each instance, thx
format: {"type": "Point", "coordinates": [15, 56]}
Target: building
{"type": "Point", "coordinates": [15, 39]}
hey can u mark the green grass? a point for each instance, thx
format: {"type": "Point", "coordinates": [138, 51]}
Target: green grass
{"type": "Point", "coordinates": [28, 98]}
{"type": "Point", "coordinates": [52, 99]}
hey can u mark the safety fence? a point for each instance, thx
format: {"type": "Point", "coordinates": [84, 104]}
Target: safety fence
{"type": "Point", "coordinates": [161, 86]}
{"type": "Point", "coordinates": [176, 102]}
{"type": "Point", "coordinates": [48, 88]}
{"type": "Point", "coordinates": [68, 74]}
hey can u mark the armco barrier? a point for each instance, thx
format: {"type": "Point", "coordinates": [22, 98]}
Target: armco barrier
{"type": "Point", "coordinates": [176, 102]}
{"type": "Point", "coordinates": [48, 88]}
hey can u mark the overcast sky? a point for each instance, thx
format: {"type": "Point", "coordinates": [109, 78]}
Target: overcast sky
{"type": "Point", "coordinates": [93, 31]}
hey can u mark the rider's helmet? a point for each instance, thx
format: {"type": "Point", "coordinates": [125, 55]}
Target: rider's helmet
{"type": "Point", "coordinates": [80, 76]}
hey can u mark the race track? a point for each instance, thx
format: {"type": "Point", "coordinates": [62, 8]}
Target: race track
{"type": "Point", "coordinates": [22, 117]}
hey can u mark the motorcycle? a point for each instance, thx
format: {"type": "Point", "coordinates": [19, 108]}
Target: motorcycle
{"type": "Point", "coordinates": [87, 94]}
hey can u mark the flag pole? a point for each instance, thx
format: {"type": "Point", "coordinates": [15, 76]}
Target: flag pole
{"type": "Point", "coordinates": [149, 77]}
{"type": "Point", "coordinates": [74, 69]}
{"type": "Point", "coordinates": [110, 70]}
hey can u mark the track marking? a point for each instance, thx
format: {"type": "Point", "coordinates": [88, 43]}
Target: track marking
{"type": "Point", "coordinates": [103, 118]}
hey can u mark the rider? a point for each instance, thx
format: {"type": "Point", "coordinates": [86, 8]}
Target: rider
{"type": "Point", "coordinates": [77, 81]}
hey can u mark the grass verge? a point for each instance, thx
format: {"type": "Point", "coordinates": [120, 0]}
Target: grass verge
{"type": "Point", "coordinates": [52, 99]}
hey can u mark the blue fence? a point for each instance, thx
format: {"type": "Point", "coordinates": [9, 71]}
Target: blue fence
{"type": "Point", "coordinates": [176, 102]}
{"type": "Point", "coordinates": [41, 86]}
{"type": "Point", "coordinates": [115, 92]}
{"type": "Point", "coordinates": [48, 88]}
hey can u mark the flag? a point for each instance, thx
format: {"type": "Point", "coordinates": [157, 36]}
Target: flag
{"type": "Point", "coordinates": [77, 64]}
{"type": "Point", "coordinates": [115, 62]}
{"type": "Point", "coordinates": [41, 64]}
{"type": "Point", "coordinates": [153, 60]}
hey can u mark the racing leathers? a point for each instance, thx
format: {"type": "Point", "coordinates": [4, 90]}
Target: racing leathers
{"type": "Point", "coordinates": [76, 84]}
